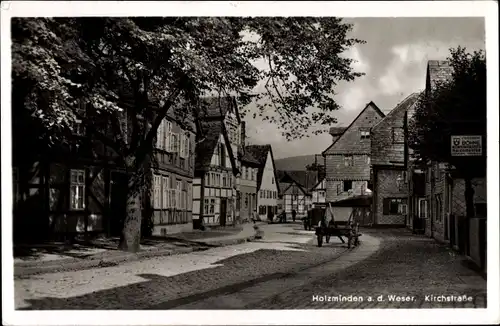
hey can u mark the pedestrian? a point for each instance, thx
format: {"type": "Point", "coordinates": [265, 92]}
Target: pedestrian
{"type": "Point", "coordinates": [254, 216]}
{"type": "Point", "coordinates": [294, 214]}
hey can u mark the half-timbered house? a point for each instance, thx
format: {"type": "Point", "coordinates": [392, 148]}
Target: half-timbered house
{"type": "Point", "coordinates": [214, 185]}
{"type": "Point", "coordinates": [295, 191]}
{"type": "Point", "coordinates": [171, 199]}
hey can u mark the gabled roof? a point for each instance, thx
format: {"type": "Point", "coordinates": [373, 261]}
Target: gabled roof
{"type": "Point", "coordinates": [292, 183]}
{"type": "Point", "coordinates": [206, 147]}
{"type": "Point", "coordinates": [259, 152]}
{"type": "Point", "coordinates": [404, 105]}
{"type": "Point", "coordinates": [215, 107]}
{"type": "Point", "coordinates": [337, 131]}
{"type": "Point", "coordinates": [304, 179]}
{"type": "Point", "coordinates": [370, 104]}
{"type": "Point", "coordinates": [317, 183]}
{"type": "Point", "coordinates": [248, 158]}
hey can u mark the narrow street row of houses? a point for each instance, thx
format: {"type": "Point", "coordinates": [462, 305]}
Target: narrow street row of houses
{"type": "Point", "coordinates": [217, 179]}
{"type": "Point", "coordinates": [206, 175]}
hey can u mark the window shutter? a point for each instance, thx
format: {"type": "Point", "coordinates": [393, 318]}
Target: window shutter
{"type": "Point", "coordinates": [164, 192]}
{"type": "Point", "coordinates": [159, 135]}
{"type": "Point", "coordinates": [387, 205]}
{"type": "Point", "coordinates": [181, 150]}
{"type": "Point", "coordinates": [166, 135]}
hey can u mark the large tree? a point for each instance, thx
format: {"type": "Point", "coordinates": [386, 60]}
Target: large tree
{"type": "Point", "coordinates": [169, 63]}
{"type": "Point", "coordinates": [456, 106]}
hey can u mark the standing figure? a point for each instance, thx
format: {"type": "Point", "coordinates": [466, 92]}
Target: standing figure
{"type": "Point", "coordinates": [294, 214]}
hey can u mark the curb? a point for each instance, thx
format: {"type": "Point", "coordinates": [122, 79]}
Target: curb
{"type": "Point", "coordinates": [73, 264]}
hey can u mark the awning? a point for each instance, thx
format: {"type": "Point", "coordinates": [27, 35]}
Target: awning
{"type": "Point", "coordinates": [355, 201]}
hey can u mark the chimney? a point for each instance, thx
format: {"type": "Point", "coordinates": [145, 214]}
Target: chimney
{"type": "Point", "coordinates": [243, 133]}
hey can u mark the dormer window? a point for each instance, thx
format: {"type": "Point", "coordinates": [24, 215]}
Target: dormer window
{"type": "Point", "coordinates": [365, 134]}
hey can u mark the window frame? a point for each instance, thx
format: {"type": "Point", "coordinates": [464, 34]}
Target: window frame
{"type": "Point", "coordinates": [348, 160]}
{"type": "Point", "coordinates": [344, 185]}
{"type": "Point", "coordinates": [393, 135]}
{"type": "Point", "coordinates": [77, 185]}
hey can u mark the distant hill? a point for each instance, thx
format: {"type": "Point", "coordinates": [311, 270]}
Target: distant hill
{"type": "Point", "coordinates": [296, 163]}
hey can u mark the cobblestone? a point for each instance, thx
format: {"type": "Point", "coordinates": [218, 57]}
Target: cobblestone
{"type": "Point", "coordinates": [402, 267]}
{"type": "Point", "coordinates": [150, 282]}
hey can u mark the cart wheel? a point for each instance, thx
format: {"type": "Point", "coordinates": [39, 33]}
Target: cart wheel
{"type": "Point", "coordinates": [320, 240]}
{"type": "Point", "coordinates": [327, 239]}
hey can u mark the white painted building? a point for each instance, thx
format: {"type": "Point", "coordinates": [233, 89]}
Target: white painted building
{"type": "Point", "coordinates": [267, 183]}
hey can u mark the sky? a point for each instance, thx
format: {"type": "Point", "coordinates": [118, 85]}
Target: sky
{"type": "Point", "coordinates": [394, 60]}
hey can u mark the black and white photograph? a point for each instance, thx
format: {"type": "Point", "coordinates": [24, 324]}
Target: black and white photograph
{"type": "Point", "coordinates": [246, 162]}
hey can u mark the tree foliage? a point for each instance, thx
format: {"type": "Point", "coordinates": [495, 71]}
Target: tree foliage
{"type": "Point", "coordinates": [131, 71]}
{"type": "Point", "coordinates": [456, 106]}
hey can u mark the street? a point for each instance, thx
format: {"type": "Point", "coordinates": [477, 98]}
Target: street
{"type": "Point", "coordinates": [284, 270]}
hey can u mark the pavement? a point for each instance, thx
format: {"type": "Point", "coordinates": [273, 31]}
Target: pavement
{"type": "Point", "coordinates": [56, 258]}
{"type": "Point", "coordinates": [283, 270]}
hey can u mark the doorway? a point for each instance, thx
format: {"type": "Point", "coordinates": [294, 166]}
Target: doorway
{"type": "Point", "coordinates": [223, 211]}
{"type": "Point", "coordinates": [118, 202]}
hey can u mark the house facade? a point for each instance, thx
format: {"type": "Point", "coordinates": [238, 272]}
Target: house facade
{"type": "Point", "coordinates": [267, 183]}
{"type": "Point", "coordinates": [295, 191]}
{"type": "Point", "coordinates": [437, 192]}
{"type": "Point", "coordinates": [318, 193]}
{"type": "Point", "coordinates": [214, 183]}
{"type": "Point", "coordinates": [390, 187]}
{"type": "Point", "coordinates": [348, 159]}
{"type": "Point", "coordinates": [172, 194]}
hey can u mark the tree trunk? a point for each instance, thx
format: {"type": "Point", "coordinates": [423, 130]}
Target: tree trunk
{"type": "Point", "coordinates": [131, 233]}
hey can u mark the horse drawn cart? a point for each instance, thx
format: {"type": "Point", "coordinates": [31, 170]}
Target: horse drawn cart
{"type": "Point", "coordinates": [360, 214]}
{"type": "Point", "coordinates": [340, 229]}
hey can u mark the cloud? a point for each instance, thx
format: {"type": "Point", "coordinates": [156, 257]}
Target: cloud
{"type": "Point", "coordinates": [406, 71]}
{"type": "Point", "coordinates": [359, 63]}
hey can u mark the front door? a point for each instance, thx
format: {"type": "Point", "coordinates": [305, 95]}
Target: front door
{"type": "Point", "coordinates": [118, 202]}
{"type": "Point", "coordinates": [223, 211]}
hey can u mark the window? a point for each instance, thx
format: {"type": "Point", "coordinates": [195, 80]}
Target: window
{"type": "Point", "coordinates": [439, 207]}
{"type": "Point", "coordinates": [395, 206]}
{"type": "Point", "coordinates": [178, 192]}
{"type": "Point", "coordinates": [224, 181]}
{"type": "Point", "coordinates": [398, 135]}
{"type": "Point", "coordinates": [247, 197]}
{"type": "Point", "coordinates": [207, 179]}
{"type": "Point", "coordinates": [186, 145]}
{"type": "Point", "coordinates": [174, 143]}
{"type": "Point", "coordinates": [262, 210]}
{"type": "Point", "coordinates": [422, 208]}
{"type": "Point", "coordinates": [272, 180]}
{"type": "Point", "coordinates": [79, 128]}
{"type": "Point", "coordinates": [206, 205]}
{"type": "Point", "coordinates": [244, 172]}
{"type": "Point", "coordinates": [189, 199]}
{"type": "Point", "coordinates": [365, 134]}
{"type": "Point", "coordinates": [212, 206]}
{"type": "Point", "coordinates": [77, 189]}
{"type": "Point", "coordinates": [348, 160]}
{"type": "Point", "coordinates": [167, 133]}
{"type": "Point", "coordinates": [261, 193]}
{"type": "Point", "coordinates": [165, 193]}
{"type": "Point", "coordinates": [156, 191]}
{"type": "Point", "coordinates": [160, 135]}
{"type": "Point", "coordinates": [347, 185]}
